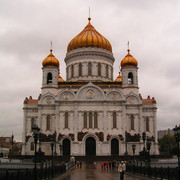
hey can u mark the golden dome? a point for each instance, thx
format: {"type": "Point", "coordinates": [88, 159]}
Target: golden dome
{"type": "Point", "coordinates": [119, 78]}
{"type": "Point", "coordinates": [60, 79]}
{"type": "Point", "coordinates": [50, 61]}
{"type": "Point", "coordinates": [129, 61]}
{"type": "Point", "coordinates": [89, 37]}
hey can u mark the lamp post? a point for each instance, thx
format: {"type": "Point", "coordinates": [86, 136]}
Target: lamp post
{"type": "Point", "coordinates": [126, 153]}
{"type": "Point", "coordinates": [54, 135]}
{"type": "Point", "coordinates": [144, 139]}
{"type": "Point", "coordinates": [35, 130]}
{"type": "Point", "coordinates": [177, 136]}
{"type": "Point", "coordinates": [148, 144]}
{"type": "Point", "coordinates": [52, 146]}
{"type": "Point", "coordinates": [133, 149]}
{"type": "Point", "coordinates": [12, 141]}
{"type": "Point", "coordinates": [61, 149]}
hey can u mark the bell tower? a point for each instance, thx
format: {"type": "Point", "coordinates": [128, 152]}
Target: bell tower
{"type": "Point", "coordinates": [129, 71]}
{"type": "Point", "coordinates": [50, 71]}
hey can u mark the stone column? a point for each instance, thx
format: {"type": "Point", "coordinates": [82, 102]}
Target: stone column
{"type": "Point", "coordinates": [24, 131]}
{"type": "Point", "coordinates": [40, 117]}
{"type": "Point", "coordinates": [105, 120]}
{"type": "Point", "coordinates": [140, 120]}
{"type": "Point", "coordinates": [124, 123]}
{"type": "Point", "coordinates": [155, 123]}
{"type": "Point", "coordinates": [76, 123]}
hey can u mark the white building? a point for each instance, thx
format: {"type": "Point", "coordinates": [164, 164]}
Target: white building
{"type": "Point", "coordinates": [90, 111]}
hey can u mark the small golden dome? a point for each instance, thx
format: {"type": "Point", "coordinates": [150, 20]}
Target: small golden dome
{"type": "Point", "coordinates": [119, 78]}
{"type": "Point", "coordinates": [60, 79]}
{"type": "Point", "coordinates": [50, 61]}
{"type": "Point", "coordinates": [89, 37]}
{"type": "Point", "coordinates": [129, 61]}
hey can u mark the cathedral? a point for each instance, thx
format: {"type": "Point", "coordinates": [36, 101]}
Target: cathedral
{"type": "Point", "coordinates": [90, 113]}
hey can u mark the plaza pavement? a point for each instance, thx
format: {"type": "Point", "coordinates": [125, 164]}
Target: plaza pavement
{"type": "Point", "coordinates": [87, 172]}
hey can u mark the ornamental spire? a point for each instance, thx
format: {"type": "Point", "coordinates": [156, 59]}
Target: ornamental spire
{"type": "Point", "coordinates": [128, 47]}
{"type": "Point", "coordinates": [89, 18]}
{"type": "Point", "coordinates": [51, 47]}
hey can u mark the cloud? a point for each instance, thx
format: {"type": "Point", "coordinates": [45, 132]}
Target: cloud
{"type": "Point", "coordinates": [27, 27]}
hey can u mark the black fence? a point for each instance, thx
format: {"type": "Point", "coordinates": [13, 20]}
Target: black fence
{"type": "Point", "coordinates": [32, 174]}
{"type": "Point", "coordinates": [154, 172]}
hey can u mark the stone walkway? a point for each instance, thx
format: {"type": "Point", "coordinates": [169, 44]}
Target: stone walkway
{"type": "Point", "coordinates": [87, 172]}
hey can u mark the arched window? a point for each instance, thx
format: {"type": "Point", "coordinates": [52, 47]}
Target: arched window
{"type": "Point", "coordinates": [89, 69]}
{"type": "Point", "coordinates": [147, 124]}
{"type": "Point", "coordinates": [99, 69]}
{"type": "Point", "coordinates": [85, 120]}
{"type": "Point", "coordinates": [48, 122]}
{"type": "Point", "coordinates": [114, 120]}
{"type": "Point", "coordinates": [130, 78]}
{"type": "Point", "coordinates": [132, 122]}
{"type": "Point", "coordinates": [66, 120]}
{"type": "Point", "coordinates": [80, 69]}
{"type": "Point", "coordinates": [95, 120]}
{"type": "Point", "coordinates": [107, 74]}
{"type": "Point", "coordinates": [49, 78]}
{"type": "Point", "coordinates": [32, 146]}
{"type": "Point", "coordinates": [90, 120]}
{"type": "Point", "coordinates": [72, 71]}
{"type": "Point", "coordinates": [32, 123]}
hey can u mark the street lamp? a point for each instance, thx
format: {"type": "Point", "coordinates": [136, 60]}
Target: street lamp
{"type": "Point", "coordinates": [144, 139]}
{"type": "Point", "coordinates": [54, 135]}
{"type": "Point", "coordinates": [52, 146]}
{"type": "Point", "coordinates": [133, 148]}
{"type": "Point", "coordinates": [177, 136]}
{"type": "Point", "coordinates": [148, 144]}
{"type": "Point", "coordinates": [12, 141]}
{"type": "Point", "coordinates": [126, 153]}
{"type": "Point", "coordinates": [61, 149]}
{"type": "Point", "coordinates": [35, 130]}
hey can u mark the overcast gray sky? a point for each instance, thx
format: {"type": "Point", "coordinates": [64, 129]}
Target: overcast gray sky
{"type": "Point", "coordinates": [28, 26]}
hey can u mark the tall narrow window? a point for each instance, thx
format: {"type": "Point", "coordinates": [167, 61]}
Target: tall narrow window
{"type": "Point", "coordinates": [114, 120]}
{"type": "Point", "coordinates": [147, 124]}
{"type": "Point", "coordinates": [90, 120]}
{"type": "Point", "coordinates": [111, 72]}
{"type": "Point", "coordinates": [72, 71]}
{"type": "Point", "coordinates": [32, 123]}
{"type": "Point", "coordinates": [95, 120]}
{"type": "Point", "coordinates": [66, 120]}
{"type": "Point", "coordinates": [85, 120]}
{"type": "Point", "coordinates": [107, 74]}
{"type": "Point", "coordinates": [49, 78]}
{"type": "Point", "coordinates": [48, 122]}
{"type": "Point", "coordinates": [130, 78]}
{"type": "Point", "coordinates": [67, 75]}
{"type": "Point", "coordinates": [80, 69]}
{"type": "Point", "coordinates": [132, 122]}
{"type": "Point", "coordinates": [89, 69]}
{"type": "Point", "coordinates": [32, 146]}
{"type": "Point", "coordinates": [99, 69]}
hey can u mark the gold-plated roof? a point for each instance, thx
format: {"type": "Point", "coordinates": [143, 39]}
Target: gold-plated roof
{"type": "Point", "coordinates": [89, 37]}
{"type": "Point", "coordinates": [119, 78]}
{"type": "Point", "coordinates": [60, 79]}
{"type": "Point", "coordinates": [50, 61]}
{"type": "Point", "coordinates": [129, 61]}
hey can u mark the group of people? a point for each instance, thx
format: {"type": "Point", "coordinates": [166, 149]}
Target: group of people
{"type": "Point", "coordinates": [108, 165]}
{"type": "Point", "coordinates": [112, 164]}
{"type": "Point", "coordinates": [78, 164]}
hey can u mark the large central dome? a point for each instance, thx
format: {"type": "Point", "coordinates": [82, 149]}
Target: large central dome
{"type": "Point", "coordinates": [89, 37]}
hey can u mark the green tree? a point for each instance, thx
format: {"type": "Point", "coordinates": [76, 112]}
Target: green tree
{"type": "Point", "coordinates": [167, 144]}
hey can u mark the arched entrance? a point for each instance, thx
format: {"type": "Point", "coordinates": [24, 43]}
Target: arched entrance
{"type": "Point", "coordinates": [90, 146]}
{"type": "Point", "coordinates": [66, 147]}
{"type": "Point", "coordinates": [114, 147]}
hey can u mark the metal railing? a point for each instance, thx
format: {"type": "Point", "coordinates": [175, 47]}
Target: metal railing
{"type": "Point", "coordinates": [154, 172]}
{"type": "Point", "coordinates": [29, 174]}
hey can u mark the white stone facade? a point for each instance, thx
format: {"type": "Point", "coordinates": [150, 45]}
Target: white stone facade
{"type": "Point", "coordinates": [90, 106]}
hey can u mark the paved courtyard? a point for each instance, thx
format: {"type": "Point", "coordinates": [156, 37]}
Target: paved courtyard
{"type": "Point", "coordinates": [88, 172]}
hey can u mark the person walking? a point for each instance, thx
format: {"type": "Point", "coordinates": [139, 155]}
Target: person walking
{"type": "Point", "coordinates": [121, 170]}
